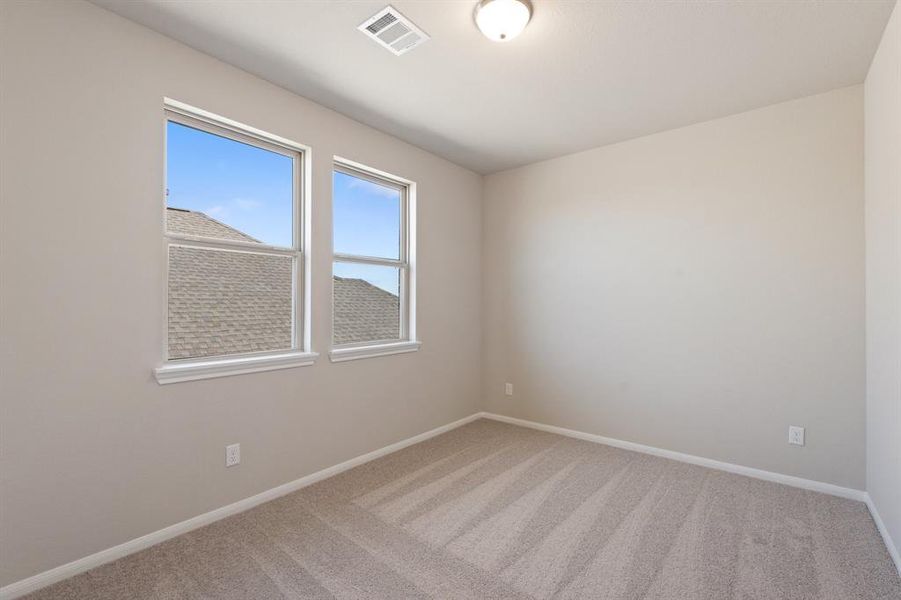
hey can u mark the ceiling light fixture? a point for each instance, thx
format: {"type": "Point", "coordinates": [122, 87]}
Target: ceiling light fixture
{"type": "Point", "coordinates": [502, 20]}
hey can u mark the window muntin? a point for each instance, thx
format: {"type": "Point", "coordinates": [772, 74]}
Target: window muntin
{"type": "Point", "coordinates": [372, 273]}
{"type": "Point", "coordinates": [233, 242]}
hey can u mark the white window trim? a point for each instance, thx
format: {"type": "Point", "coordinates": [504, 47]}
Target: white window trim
{"type": "Point", "coordinates": [406, 263]}
{"type": "Point", "coordinates": [343, 354]}
{"type": "Point", "coordinates": [191, 370]}
{"type": "Point", "coordinates": [178, 370]}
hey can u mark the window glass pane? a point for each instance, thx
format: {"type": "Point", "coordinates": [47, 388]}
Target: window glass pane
{"type": "Point", "coordinates": [366, 304]}
{"type": "Point", "coordinates": [366, 217]}
{"type": "Point", "coordinates": [219, 188]}
{"type": "Point", "coordinates": [225, 302]}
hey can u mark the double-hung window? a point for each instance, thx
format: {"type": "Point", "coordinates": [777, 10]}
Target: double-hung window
{"type": "Point", "coordinates": [373, 283]}
{"type": "Point", "coordinates": [234, 240]}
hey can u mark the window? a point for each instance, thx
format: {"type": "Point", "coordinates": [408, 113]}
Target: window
{"type": "Point", "coordinates": [373, 280]}
{"type": "Point", "coordinates": [234, 245]}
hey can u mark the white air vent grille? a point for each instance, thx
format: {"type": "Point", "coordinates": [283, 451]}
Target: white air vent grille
{"type": "Point", "coordinates": [393, 31]}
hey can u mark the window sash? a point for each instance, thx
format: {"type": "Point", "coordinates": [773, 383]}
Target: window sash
{"type": "Point", "coordinates": [403, 263]}
{"type": "Point", "coordinates": [209, 123]}
{"type": "Point", "coordinates": [296, 283]}
{"type": "Point", "coordinates": [403, 189]}
{"type": "Point", "coordinates": [233, 134]}
{"type": "Point", "coordinates": [403, 286]}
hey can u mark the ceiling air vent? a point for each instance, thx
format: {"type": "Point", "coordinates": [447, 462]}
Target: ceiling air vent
{"type": "Point", "coordinates": [393, 31]}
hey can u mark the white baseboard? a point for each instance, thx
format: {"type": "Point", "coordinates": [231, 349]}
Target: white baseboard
{"type": "Point", "coordinates": [36, 582]}
{"type": "Point", "coordinates": [883, 531]}
{"type": "Point", "coordinates": [807, 484]}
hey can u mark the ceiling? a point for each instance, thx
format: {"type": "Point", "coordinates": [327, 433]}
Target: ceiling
{"type": "Point", "coordinates": [582, 74]}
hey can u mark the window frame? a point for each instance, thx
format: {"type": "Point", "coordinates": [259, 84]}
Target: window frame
{"type": "Point", "coordinates": [405, 263]}
{"type": "Point", "coordinates": [300, 354]}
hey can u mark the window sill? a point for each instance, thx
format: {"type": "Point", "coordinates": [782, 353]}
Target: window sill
{"type": "Point", "coordinates": [358, 352]}
{"type": "Point", "coordinates": [177, 371]}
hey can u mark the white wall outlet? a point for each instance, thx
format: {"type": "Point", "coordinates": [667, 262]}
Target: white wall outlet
{"type": "Point", "coordinates": [795, 435]}
{"type": "Point", "coordinates": [508, 389]}
{"type": "Point", "coordinates": [232, 455]}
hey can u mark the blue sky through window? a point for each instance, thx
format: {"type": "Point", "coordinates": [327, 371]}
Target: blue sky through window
{"type": "Point", "coordinates": [366, 217]}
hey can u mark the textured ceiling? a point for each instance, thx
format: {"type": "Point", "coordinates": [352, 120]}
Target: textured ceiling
{"type": "Point", "coordinates": [583, 74]}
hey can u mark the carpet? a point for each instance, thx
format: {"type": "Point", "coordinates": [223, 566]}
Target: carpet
{"type": "Point", "coordinates": [491, 510]}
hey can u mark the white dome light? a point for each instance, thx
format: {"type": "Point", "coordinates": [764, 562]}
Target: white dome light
{"type": "Point", "coordinates": [502, 20]}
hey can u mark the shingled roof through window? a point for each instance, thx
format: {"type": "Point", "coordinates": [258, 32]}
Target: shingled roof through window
{"type": "Point", "coordinates": [190, 222]}
{"type": "Point", "coordinates": [233, 302]}
{"type": "Point", "coordinates": [364, 312]}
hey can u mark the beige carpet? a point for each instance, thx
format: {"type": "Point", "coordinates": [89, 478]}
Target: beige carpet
{"type": "Point", "coordinates": [496, 511]}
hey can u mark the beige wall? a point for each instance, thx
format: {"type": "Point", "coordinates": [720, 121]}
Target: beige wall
{"type": "Point", "coordinates": [94, 452]}
{"type": "Point", "coordinates": [697, 290]}
{"type": "Point", "coordinates": [883, 226]}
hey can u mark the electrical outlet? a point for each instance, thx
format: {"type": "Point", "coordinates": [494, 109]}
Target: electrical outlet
{"type": "Point", "coordinates": [508, 389]}
{"type": "Point", "coordinates": [795, 435]}
{"type": "Point", "coordinates": [232, 455]}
